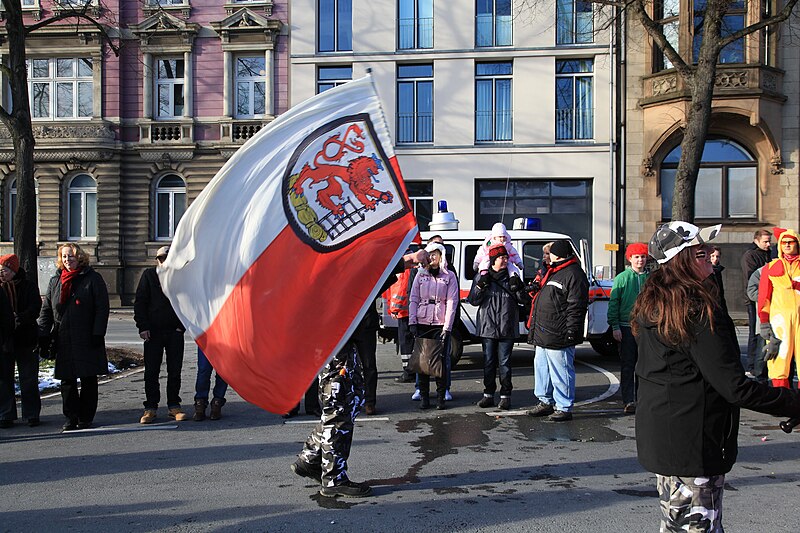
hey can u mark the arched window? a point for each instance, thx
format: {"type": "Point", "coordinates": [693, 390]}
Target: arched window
{"type": "Point", "coordinates": [170, 205]}
{"type": "Point", "coordinates": [726, 183]}
{"type": "Point", "coordinates": [82, 208]}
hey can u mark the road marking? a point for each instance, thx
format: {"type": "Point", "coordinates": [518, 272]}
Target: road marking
{"type": "Point", "coordinates": [121, 428]}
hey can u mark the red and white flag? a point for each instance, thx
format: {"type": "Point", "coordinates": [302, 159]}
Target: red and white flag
{"type": "Point", "coordinates": [276, 261]}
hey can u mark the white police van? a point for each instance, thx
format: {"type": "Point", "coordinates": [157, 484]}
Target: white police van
{"type": "Point", "coordinates": [462, 246]}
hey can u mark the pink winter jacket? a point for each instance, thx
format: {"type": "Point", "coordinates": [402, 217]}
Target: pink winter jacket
{"type": "Point", "coordinates": [433, 300]}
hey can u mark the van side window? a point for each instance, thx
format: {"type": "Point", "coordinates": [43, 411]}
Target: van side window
{"type": "Point", "coordinates": [470, 252]}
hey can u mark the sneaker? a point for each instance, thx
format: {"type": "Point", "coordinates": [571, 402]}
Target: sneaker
{"type": "Point", "coordinates": [560, 416]}
{"type": "Point", "coordinates": [447, 396]}
{"type": "Point", "coordinates": [630, 408]}
{"type": "Point", "coordinates": [304, 469]}
{"type": "Point", "coordinates": [348, 489]}
{"type": "Point", "coordinates": [177, 414]}
{"type": "Point", "coordinates": [486, 401]}
{"type": "Point", "coordinates": [84, 425]}
{"type": "Point", "coordinates": [70, 425]}
{"type": "Point", "coordinates": [148, 416]}
{"type": "Point", "coordinates": [33, 422]}
{"type": "Point", "coordinates": [416, 396]}
{"type": "Point", "coordinates": [505, 403]}
{"type": "Point", "coordinates": [542, 409]}
{"type": "Point", "coordinates": [749, 375]}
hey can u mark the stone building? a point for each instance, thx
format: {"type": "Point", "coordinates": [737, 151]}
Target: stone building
{"type": "Point", "coordinates": [749, 174]}
{"type": "Point", "coordinates": [124, 143]}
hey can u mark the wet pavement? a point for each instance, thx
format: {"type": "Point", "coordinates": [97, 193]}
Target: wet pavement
{"type": "Point", "coordinates": [462, 469]}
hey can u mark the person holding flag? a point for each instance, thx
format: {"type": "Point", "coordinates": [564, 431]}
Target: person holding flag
{"type": "Point", "coordinates": [321, 184]}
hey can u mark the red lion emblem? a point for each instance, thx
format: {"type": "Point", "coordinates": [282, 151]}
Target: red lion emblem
{"type": "Point", "coordinates": [358, 175]}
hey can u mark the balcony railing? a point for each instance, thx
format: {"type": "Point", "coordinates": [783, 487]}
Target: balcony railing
{"type": "Point", "coordinates": [574, 124]}
{"type": "Point", "coordinates": [741, 80]}
{"type": "Point", "coordinates": [166, 133]}
{"type": "Point", "coordinates": [493, 126]}
{"type": "Point", "coordinates": [415, 33]}
{"type": "Point", "coordinates": [414, 127]}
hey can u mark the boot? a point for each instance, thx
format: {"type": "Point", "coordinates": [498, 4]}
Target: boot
{"type": "Point", "coordinates": [200, 410]}
{"type": "Point", "coordinates": [216, 408]}
{"type": "Point", "coordinates": [440, 399]}
{"type": "Point", "coordinates": [425, 400]}
{"type": "Point", "coordinates": [177, 414]}
{"type": "Point", "coordinates": [148, 416]}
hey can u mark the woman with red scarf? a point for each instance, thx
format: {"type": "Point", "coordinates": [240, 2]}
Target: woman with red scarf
{"type": "Point", "coordinates": [72, 328]}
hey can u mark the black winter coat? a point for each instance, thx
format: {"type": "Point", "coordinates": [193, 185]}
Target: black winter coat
{"type": "Point", "coordinates": [498, 307]}
{"type": "Point", "coordinates": [78, 325]}
{"type": "Point", "coordinates": [152, 310]}
{"type": "Point", "coordinates": [687, 413]}
{"type": "Point", "coordinates": [753, 259]}
{"type": "Point", "coordinates": [558, 312]}
{"type": "Point", "coordinates": [6, 325]}
{"type": "Point", "coordinates": [28, 305]}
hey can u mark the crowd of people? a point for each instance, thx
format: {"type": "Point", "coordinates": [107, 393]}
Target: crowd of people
{"type": "Point", "coordinates": [681, 373]}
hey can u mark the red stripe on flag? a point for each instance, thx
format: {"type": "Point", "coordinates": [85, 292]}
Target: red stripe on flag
{"type": "Point", "coordinates": [282, 321]}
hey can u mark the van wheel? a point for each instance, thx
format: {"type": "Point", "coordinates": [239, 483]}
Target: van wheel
{"type": "Point", "coordinates": [606, 345]}
{"type": "Point", "coordinates": [456, 347]}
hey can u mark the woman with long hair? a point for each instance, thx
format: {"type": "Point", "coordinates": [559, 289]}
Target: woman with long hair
{"type": "Point", "coordinates": [691, 381]}
{"type": "Point", "coordinates": [72, 329]}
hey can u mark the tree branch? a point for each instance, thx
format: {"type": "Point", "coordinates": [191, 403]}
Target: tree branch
{"type": "Point", "coordinates": [783, 15]}
{"type": "Point", "coordinates": [80, 15]}
{"type": "Point", "coordinates": [654, 30]}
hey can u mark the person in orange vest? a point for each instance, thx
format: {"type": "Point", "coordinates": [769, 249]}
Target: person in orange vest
{"type": "Point", "coordinates": [398, 308]}
{"type": "Point", "coordinates": [779, 307]}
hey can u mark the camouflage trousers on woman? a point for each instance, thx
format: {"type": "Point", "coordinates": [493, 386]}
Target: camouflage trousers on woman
{"type": "Point", "coordinates": [692, 504]}
{"type": "Point", "coordinates": [341, 395]}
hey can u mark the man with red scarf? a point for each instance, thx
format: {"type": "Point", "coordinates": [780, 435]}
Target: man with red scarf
{"type": "Point", "coordinates": [779, 307]}
{"type": "Point", "coordinates": [555, 327]}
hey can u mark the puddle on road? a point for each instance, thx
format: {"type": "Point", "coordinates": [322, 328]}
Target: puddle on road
{"type": "Point", "coordinates": [446, 434]}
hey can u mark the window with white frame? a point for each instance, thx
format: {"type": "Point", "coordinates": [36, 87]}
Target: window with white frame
{"type": "Point", "coordinates": [251, 86]}
{"type": "Point", "coordinates": [169, 87]}
{"type": "Point", "coordinates": [574, 22]}
{"type": "Point", "coordinates": [61, 88]}
{"type": "Point", "coordinates": [170, 196]}
{"type": "Point", "coordinates": [420, 193]}
{"type": "Point", "coordinates": [415, 24]}
{"type": "Point", "coordinates": [493, 23]}
{"type": "Point", "coordinates": [82, 208]}
{"type": "Point", "coordinates": [493, 113]}
{"type": "Point", "coordinates": [574, 99]}
{"type": "Point", "coordinates": [330, 77]}
{"type": "Point", "coordinates": [335, 25]}
{"type": "Point", "coordinates": [415, 103]}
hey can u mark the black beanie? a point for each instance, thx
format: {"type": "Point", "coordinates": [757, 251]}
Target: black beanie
{"type": "Point", "coordinates": [562, 249]}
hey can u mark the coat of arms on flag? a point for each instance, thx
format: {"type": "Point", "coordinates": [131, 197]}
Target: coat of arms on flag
{"type": "Point", "coordinates": [339, 184]}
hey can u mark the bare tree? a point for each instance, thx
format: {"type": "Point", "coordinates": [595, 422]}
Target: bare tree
{"type": "Point", "coordinates": [697, 73]}
{"type": "Point", "coordinates": [18, 119]}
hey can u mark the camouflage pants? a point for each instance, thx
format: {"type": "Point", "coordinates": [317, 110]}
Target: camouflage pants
{"type": "Point", "coordinates": [691, 504]}
{"type": "Point", "coordinates": [341, 395]}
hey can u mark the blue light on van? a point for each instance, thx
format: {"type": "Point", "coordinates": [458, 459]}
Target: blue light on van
{"type": "Point", "coordinates": [442, 206]}
{"type": "Point", "coordinates": [528, 223]}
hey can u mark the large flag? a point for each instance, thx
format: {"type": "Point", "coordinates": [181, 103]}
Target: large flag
{"type": "Point", "coordinates": [276, 261]}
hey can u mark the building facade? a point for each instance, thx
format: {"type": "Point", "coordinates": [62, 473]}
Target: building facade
{"type": "Point", "coordinates": [125, 142]}
{"type": "Point", "coordinates": [749, 174]}
{"type": "Point", "coordinates": [502, 112]}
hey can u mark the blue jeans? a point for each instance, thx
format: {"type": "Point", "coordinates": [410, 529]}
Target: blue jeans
{"type": "Point", "coordinates": [203, 383]}
{"type": "Point", "coordinates": [628, 355]}
{"type": "Point", "coordinates": [554, 371]}
{"type": "Point", "coordinates": [497, 356]}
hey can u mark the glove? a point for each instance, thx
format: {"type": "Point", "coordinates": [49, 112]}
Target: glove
{"type": "Point", "coordinates": [413, 329]}
{"type": "Point", "coordinates": [483, 281]}
{"type": "Point", "coordinates": [444, 335]}
{"type": "Point", "coordinates": [772, 343]}
{"type": "Point", "coordinates": [98, 341]}
{"type": "Point", "coordinates": [515, 284]}
{"type": "Point", "coordinates": [47, 348]}
{"type": "Point", "coordinates": [533, 287]}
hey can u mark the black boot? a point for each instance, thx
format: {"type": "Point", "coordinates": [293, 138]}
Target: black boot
{"type": "Point", "coordinates": [425, 400]}
{"type": "Point", "coordinates": [440, 405]}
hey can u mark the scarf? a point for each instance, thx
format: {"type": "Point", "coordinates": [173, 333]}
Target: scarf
{"type": "Point", "coordinates": [67, 277]}
{"type": "Point", "coordinates": [11, 291]}
{"type": "Point", "coordinates": [790, 258]}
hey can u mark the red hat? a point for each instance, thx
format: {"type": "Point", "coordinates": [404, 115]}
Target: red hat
{"type": "Point", "coordinates": [637, 248]}
{"type": "Point", "coordinates": [495, 251]}
{"type": "Point", "coordinates": [11, 261]}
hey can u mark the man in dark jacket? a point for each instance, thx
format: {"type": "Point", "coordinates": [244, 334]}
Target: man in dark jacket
{"type": "Point", "coordinates": [161, 331]}
{"type": "Point", "coordinates": [754, 258]}
{"type": "Point", "coordinates": [495, 293]}
{"type": "Point", "coordinates": [555, 327]}
{"type": "Point", "coordinates": [23, 297]}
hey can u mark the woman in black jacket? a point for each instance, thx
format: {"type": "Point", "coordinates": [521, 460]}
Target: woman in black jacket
{"type": "Point", "coordinates": [23, 296]}
{"type": "Point", "coordinates": [691, 381]}
{"type": "Point", "coordinates": [72, 327]}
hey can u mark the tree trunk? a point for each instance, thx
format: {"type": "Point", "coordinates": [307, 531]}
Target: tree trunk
{"type": "Point", "coordinates": [21, 130]}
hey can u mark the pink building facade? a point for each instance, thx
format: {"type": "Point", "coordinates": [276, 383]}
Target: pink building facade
{"type": "Point", "coordinates": [125, 142]}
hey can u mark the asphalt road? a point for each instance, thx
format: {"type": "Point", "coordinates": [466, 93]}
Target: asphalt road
{"type": "Point", "coordinates": [457, 470]}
